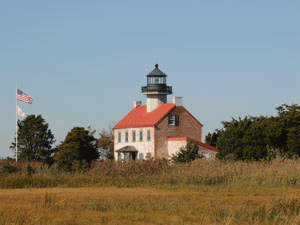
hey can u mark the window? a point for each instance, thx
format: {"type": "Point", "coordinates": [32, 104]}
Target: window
{"type": "Point", "coordinates": [119, 136]}
{"type": "Point", "coordinates": [156, 80]}
{"type": "Point", "coordinates": [141, 156]}
{"type": "Point", "coordinates": [173, 120]}
{"type": "Point", "coordinates": [119, 156]}
{"type": "Point", "coordinates": [126, 136]}
{"type": "Point", "coordinates": [133, 136]}
{"type": "Point", "coordinates": [141, 135]}
{"type": "Point", "coordinates": [148, 135]}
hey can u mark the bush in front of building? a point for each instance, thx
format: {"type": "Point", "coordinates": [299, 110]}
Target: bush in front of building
{"type": "Point", "coordinates": [187, 154]}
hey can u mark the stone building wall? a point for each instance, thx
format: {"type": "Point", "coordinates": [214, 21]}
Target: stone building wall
{"type": "Point", "coordinates": [153, 101]}
{"type": "Point", "coordinates": [209, 154]}
{"type": "Point", "coordinates": [143, 146]}
{"type": "Point", "coordinates": [174, 146]}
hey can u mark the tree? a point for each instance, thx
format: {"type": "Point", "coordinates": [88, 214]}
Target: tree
{"type": "Point", "coordinates": [289, 118]}
{"type": "Point", "coordinates": [187, 154]}
{"type": "Point", "coordinates": [259, 138]}
{"type": "Point", "coordinates": [106, 142]}
{"type": "Point", "coordinates": [78, 146]}
{"type": "Point", "coordinates": [35, 140]}
{"type": "Point", "coordinates": [212, 138]}
{"type": "Point", "coordinates": [293, 141]}
{"type": "Point", "coordinates": [249, 138]}
{"type": "Point", "coordinates": [255, 138]}
{"type": "Point", "coordinates": [230, 141]}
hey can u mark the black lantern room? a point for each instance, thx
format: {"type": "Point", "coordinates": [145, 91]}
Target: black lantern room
{"type": "Point", "coordinates": [156, 83]}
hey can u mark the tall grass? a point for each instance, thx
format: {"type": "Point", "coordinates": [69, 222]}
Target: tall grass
{"type": "Point", "coordinates": [158, 173]}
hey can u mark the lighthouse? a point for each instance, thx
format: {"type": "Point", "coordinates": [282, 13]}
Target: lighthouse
{"type": "Point", "coordinates": [158, 129]}
{"type": "Point", "coordinates": [156, 89]}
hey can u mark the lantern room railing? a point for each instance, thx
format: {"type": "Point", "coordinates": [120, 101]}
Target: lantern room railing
{"type": "Point", "coordinates": [156, 88]}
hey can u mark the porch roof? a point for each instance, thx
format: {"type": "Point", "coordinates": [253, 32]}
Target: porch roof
{"type": "Point", "coordinates": [128, 148]}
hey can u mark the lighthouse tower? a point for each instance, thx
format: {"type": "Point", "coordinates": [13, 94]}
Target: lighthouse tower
{"type": "Point", "coordinates": [156, 89]}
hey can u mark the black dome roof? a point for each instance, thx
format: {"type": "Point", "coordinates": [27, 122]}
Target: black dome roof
{"type": "Point", "coordinates": [156, 72]}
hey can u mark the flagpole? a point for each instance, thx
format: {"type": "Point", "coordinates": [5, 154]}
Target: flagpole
{"type": "Point", "coordinates": [16, 123]}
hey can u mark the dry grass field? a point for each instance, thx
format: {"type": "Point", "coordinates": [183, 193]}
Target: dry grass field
{"type": "Point", "coordinates": [152, 192]}
{"type": "Point", "coordinates": [148, 206]}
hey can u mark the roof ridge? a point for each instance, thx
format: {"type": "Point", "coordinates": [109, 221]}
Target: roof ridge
{"type": "Point", "coordinates": [191, 115]}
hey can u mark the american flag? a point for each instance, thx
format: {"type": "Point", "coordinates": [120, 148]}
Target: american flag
{"type": "Point", "coordinates": [24, 97]}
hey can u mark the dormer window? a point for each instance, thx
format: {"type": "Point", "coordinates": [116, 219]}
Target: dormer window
{"type": "Point", "coordinates": [173, 120]}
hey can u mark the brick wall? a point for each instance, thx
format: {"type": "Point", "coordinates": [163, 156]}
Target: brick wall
{"type": "Point", "coordinates": [188, 127]}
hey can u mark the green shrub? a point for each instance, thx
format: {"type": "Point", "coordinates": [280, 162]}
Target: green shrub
{"type": "Point", "coordinates": [187, 154]}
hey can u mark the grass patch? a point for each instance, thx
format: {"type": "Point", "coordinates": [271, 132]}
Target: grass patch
{"type": "Point", "coordinates": [148, 206]}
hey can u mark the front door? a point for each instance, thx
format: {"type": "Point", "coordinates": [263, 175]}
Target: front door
{"type": "Point", "coordinates": [130, 156]}
{"type": "Point", "coordinates": [133, 155]}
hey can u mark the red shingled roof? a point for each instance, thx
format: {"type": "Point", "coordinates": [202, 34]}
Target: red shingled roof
{"type": "Point", "coordinates": [207, 146]}
{"type": "Point", "coordinates": [197, 142]}
{"type": "Point", "coordinates": [138, 117]}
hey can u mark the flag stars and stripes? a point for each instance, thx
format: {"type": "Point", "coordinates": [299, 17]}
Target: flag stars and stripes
{"type": "Point", "coordinates": [24, 97]}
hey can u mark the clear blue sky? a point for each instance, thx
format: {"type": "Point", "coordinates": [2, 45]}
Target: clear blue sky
{"type": "Point", "coordinates": [84, 62]}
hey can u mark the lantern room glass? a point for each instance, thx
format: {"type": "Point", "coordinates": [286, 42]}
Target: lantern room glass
{"type": "Point", "coordinates": [156, 80]}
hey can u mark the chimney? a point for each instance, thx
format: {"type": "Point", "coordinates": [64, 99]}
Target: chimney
{"type": "Point", "coordinates": [136, 103]}
{"type": "Point", "coordinates": [177, 101]}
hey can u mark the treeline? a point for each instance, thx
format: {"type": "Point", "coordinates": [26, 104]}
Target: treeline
{"type": "Point", "coordinates": [256, 138]}
{"type": "Point", "coordinates": [79, 149]}
{"type": "Point", "coordinates": [250, 138]}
